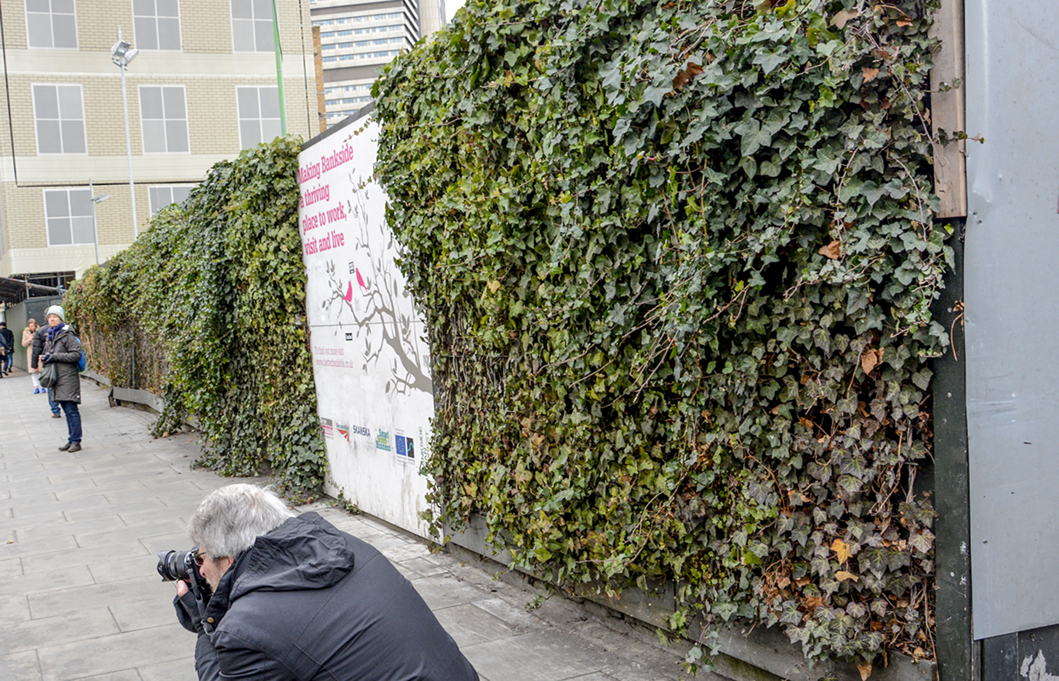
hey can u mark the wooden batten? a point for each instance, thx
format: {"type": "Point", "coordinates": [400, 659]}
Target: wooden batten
{"type": "Point", "coordinates": [948, 109]}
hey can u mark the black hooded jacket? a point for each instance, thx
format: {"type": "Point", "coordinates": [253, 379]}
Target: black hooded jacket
{"type": "Point", "coordinates": [308, 601]}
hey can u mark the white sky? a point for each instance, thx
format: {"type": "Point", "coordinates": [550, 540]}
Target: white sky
{"type": "Point", "coordinates": [450, 8]}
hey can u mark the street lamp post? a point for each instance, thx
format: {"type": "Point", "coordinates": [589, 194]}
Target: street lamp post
{"type": "Point", "coordinates": [121, 54]}
{"type": "Point", "coordinates": [96, 199]}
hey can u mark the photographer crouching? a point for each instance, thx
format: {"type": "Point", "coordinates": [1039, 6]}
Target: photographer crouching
{"type": "Point", "coordinates": [273, 596]}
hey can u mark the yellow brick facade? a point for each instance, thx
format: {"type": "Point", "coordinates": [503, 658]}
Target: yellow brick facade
{"type": "Point", "coordinates": [207, 69]}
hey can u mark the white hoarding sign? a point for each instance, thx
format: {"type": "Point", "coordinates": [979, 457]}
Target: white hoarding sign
{"type": "Point", "coordinates": [371, 363]}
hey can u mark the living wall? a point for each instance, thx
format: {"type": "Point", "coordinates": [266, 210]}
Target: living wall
{"type": "Point", "coordinates": [207, 308]}
{"type": "Point", "coordinates": [677, 258]}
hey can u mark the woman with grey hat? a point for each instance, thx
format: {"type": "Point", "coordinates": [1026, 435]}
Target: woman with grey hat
{"type": "Point", "coordinates": [64, 351]}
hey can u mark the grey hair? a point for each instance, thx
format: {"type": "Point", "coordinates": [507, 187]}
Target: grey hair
{"type": "Point", "coordinates": [228, 521]}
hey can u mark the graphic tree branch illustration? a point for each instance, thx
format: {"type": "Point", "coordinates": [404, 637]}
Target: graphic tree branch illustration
{"type": "Point", "coordinates": [380, 295]}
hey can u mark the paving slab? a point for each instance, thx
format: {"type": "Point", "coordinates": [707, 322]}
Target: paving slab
{"type": "Point", "coordinates": [80, 599]}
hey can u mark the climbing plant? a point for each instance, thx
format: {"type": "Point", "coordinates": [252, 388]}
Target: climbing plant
{"type": "Point", "coordinates": [213, 293]}
{"type": "Point", "coordinates": [677, 259]}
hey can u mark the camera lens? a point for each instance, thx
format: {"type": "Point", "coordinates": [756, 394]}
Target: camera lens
{"type": "Point", "coordinates": [173, 565]}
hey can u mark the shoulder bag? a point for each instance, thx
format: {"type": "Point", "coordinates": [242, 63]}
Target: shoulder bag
{"type": "Point", "coordinates": [49, 375]}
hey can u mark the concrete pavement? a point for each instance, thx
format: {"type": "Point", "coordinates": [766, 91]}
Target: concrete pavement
{"type": "Point", "coordinates": [80, 599]}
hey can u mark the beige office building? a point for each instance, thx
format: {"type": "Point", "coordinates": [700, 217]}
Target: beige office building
{"type": "Point", "coordinates": [201, 88]}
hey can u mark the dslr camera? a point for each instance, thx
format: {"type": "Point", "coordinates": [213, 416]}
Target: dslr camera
{"type": "Point", "coordinates": [184, 565]}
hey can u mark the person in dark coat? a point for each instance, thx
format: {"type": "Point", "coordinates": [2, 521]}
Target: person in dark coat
{"type": "Point", "coordinates": [7, 340]}
{"type": "Point", "coordinates": [62, 349]}
{"type": "Point", "coordinates": [296, 599]}
{"type": "Point", "coordinates": [40, 337]}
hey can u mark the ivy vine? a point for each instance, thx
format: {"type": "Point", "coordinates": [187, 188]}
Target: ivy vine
{"type": "Point", "coordinates": [207, 308]}
{"type": "Point", "coordinates": [677, 259]}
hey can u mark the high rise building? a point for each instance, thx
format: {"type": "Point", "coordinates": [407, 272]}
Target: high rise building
{"type": "Point", "coordinates": [358, 38]}
{"type": "Point", "coordinates": [202, 87]}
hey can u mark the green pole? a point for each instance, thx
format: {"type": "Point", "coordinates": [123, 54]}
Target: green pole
{"type": "Point", "coordinates": [279, 71]}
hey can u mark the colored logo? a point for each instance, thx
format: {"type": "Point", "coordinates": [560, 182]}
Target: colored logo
{"type": "Point", "coordinates": [328, 429]}
{"type": "Point", "coordinates": [346, 431]}
{"type": "Point", "coordinates": [382, 441]}
{"type": "Point", "coordinates": [405, 446]}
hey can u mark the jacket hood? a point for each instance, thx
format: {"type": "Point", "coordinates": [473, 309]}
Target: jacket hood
{"type": "Point", "coordinates": [303, 553]}
{"type": "Point", "coordinates": [306, 552]}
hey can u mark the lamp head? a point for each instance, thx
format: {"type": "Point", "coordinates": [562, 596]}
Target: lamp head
{"type": "Point", "coordinates": [119, 49]}
{"type": "Point", "coordinates": [122, 52]}
{"type": "Point", "coordinates": [100, 198]}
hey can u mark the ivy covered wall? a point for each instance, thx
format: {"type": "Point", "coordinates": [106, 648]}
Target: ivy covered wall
{"type": "Point", "coordinates": [677, 260]}
{"type": "Point", "coordinates": [207, 308]}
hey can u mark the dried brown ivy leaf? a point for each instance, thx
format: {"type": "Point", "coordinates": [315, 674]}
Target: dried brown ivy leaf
{"type": "Point", "coordinates": [841, 550]}
{"type": "Point", "coordinates": [871, 359]}
{"type": "Point", "coordinates": [832, 251]}
{"type": "Point", "coordinates": [685, 76]}
{"type": "Point", "coordinates": [842, 18]}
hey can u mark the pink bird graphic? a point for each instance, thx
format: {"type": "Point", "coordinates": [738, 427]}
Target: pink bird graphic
{"type": "Point", "coordinates": [349, 294]}
{"type": "Point", "coordinates": [360, 280]}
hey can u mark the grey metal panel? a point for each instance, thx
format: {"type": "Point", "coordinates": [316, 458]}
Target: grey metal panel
{"type": "Point", "coordinates": [1012, 284]}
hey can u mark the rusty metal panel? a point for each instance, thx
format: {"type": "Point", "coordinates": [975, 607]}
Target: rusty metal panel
{"type": "Point", "coordinates": [1012, 319]}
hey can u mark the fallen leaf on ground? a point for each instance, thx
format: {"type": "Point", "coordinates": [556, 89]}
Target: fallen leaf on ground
{"type": "Point", "coordinates": [844, 576]}
{"type": "Point", "coordinates": [865, 670]}
{"type": "Point", "coordinates": [869, 74]}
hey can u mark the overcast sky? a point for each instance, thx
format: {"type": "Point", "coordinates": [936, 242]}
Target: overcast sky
{"type": "Point", "coordinates": [450, 8]}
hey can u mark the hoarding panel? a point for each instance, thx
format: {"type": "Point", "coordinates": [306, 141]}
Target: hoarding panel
{"type": "Point", "coordinates": [370, 359]}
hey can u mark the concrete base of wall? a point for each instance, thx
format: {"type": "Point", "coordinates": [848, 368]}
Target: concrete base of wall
{"type": "Point", "coordinates": [758, 654]}
{"type": "Point", "coordinates": [135, 398]}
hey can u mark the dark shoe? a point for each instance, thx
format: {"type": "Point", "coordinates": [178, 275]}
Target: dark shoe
{"type": "Point", "coordinates": [74, 447]}
{"type": "Point", "coordinates": [67, 446]}
{"type": "Point", "coordinates": [56, 416]}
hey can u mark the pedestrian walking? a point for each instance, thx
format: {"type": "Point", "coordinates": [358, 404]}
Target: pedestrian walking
{"type": "Point", "coordinates": [27, 343]}
{"type": "Point", "coordinates": [40, 336]}
{"type": "Point", "coordinates": [64, 350]}
{"type": "Point", "coordinates": [7, 340]}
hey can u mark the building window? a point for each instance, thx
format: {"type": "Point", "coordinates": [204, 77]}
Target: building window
{"type": "Point", "coordinates": [252, 26]}
{"type": "Point", "coordinates": [258, 115]}
{"type": "Point", "coordinates": [51, 23]}
{"type": "Point", "coordinates": [164, 119]}
{"type": "Point", "coordinates": [157, 24]}
{"type": "Point", "coordinates": [165, 195]}
{"type": "Point", "coordinates": [68, 213]}
{"type": "Point", "coordinates": [60, 117]}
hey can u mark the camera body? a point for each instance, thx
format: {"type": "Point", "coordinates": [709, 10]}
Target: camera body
{"type": "Point", "coordinates": [181, 565]}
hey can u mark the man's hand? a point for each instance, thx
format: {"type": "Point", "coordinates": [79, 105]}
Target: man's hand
{"type": "Point", "coordinates": [187, 610]}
